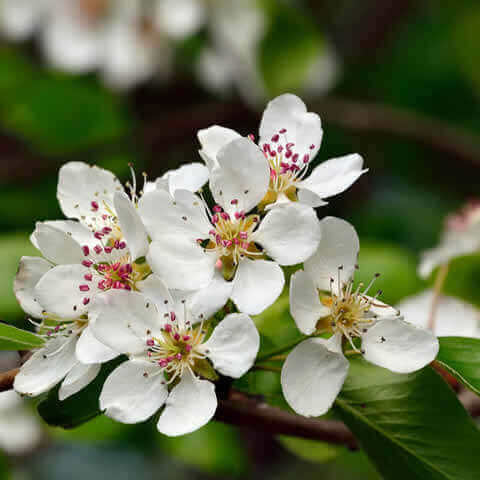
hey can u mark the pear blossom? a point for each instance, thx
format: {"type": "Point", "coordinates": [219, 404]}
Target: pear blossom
{"type": "Point", "coordinates": [20, 430]}
{"type": "Point", "coordinates": [453, 317]}
{"type": "Point", "coordinates": [323, 299]}
{"type": "Point", "coordinates": [190, 243]}
{"type": "Point", "coordinates": [172, 360]}
{"type": "Point", "coordinates": [461, 236]}
{"type": "Point", "coordinates": [290, 138]}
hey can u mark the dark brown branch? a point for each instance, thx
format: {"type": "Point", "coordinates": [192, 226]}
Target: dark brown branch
{"type": "Point", "coordinates": [7, 378]}
{"type": "Point", "coordinates": [245, 411]}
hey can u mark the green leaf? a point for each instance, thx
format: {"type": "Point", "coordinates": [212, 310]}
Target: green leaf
{"type": "Point", "coordinates": [12, 338]}
{"type": "Point", "coordinates": [288, 50]}
{"type": "Point", "coordinates": [215, 448]}
{"type": "Point", "coordinates": [460, 356]}
{"type": "Point", "coordinates": [411, 426]}
{"type": "Point", "coordinates": [310, 450]}
{"type": "Point", "coordinates": [78, 408]}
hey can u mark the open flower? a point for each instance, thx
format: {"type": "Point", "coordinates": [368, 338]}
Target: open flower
{"type": "Point", "coordinates": [461, 236]}
{"type": "Point", "coordinates": [323, 299]}
{"type": "Point", "coordinates": [453, 317]}
{"type": "Point", "coordinates": [172, 361]}
{"type": "Point", "coordinates": [189, 242]}
{"type": "Point", "coordinates": [290, 138]}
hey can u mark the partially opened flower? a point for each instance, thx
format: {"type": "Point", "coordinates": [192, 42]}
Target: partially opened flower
{"type": "Point", "coordinates": [172, 360]}
{"type": "Point", "coordinates": [452, 316]}
{"type": "Point", "coordinates": [189, 243]}
{"type": "Point", "coordinates": [20, 430]}
{"type": "Point", "coordinates": [323, 300]}
{"type": "Point", "coordinates": [460, 237]}
{"type": "Point", "coordinates": [290, 138]}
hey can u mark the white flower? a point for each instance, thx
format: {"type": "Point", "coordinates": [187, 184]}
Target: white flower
{"type": "Point", "coordinates": [20, 431]}
{"type": "Point", "coordinates": [323, 299]}
{"type": "Point", "coordinates": [20, 18]}
{"type": "Point", "coordinates": [189, 242]}
{"type": "Point", "coordinates": [460, 237]}
{"type": "Point", "coordinates": [453, 317]}
{"type": "Point", "coordinates": [290, 138]}
{"type": "Point", "coordinates": [168, 353]}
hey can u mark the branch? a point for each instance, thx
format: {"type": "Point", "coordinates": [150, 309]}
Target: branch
{"type": "Point", "coordinates": [7, 378]}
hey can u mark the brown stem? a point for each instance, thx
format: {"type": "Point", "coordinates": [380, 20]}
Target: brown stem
{"type": "Point", "coordinates": [7, 378]}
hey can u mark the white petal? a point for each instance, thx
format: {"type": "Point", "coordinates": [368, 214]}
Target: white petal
{"type": "Point", "coordinates": [233, 345]}
{"type": "Point", "coordinates": [89, 350]}
{"type": "Point", "coordinates": [302, 128]}
{"type": "Point", "coordinates": [130, 396]}
{"type": "Point", "coordinates": [56, 245]}
{"type": "Point", "coordinates": [191, 177]}
{"type": "Point", "coordinates": [46, 367]}
{"type": "Point", "coordinates": [312, 376]}
{"type": "Point", "coordinates": [243, 176]}
{"type": "Point", "coordinates": [305, 305]}
{"type": "Point", "coordinates": [183, 215]}
{"type": "Point", "coordinates": [190, 405]}
{"type": "Point", "coordinates": [257, 284]}
{"type": "Point", "coordinates": [333, 176]}
{"type": "Point", "coordinates": [179, 18]}
{"type": "Point", "coordinates": [453, 317]}
{"type": "Point", "coordinates": [121, 320]}
{"type": "Point", "coordinates": [204, 303]}
{"type": "Point", "coordinates": [399, 346]}
{"type": "Point", "coordinates": [76, 230]}
{"type": "Point", "coordinates": [58, 291]}
{"type": "Point", "coordinates": [338, 246]}
{"type": "Point", "coordinates": [212, 140]}
{"type": "Point", "coordinates": [132, 226]}
{"type": "Point", "coordinates": [80, 184]}
{"type": "Point", "coordinates": [19, 18]}
{"type": "Point", "coordinates": [155, 289]}
{"type": "Point", "coordinates": [181, 262]}
{"type": "Point", "coordinates": [289, 234]}
{"type": "Point", "coordinates": [30, 270]}
{"type": "Point", "coordinates": [77, 379]}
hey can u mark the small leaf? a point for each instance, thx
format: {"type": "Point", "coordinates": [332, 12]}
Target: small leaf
{"type": "Point", "coordinates": [12, 338]}
{"type": "Point", "coordinates": [310, 450]}
{"type": "Point", "coordinates": [411, 426]}
{"type": "Point", "coordinates": [460, 356]}
{"type": "Point", "coordinates": [78, 408]}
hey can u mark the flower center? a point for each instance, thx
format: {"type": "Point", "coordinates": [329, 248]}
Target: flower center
{"type": "Point", "coordinates": [286, 168]}
{"type": "Point", "coordinates": [178, 348]}
{"type": "Point", "coordinates": [230, 239]}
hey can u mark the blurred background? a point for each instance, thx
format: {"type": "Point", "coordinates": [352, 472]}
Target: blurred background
{"type": "Point", "coordinates": [118, 81]}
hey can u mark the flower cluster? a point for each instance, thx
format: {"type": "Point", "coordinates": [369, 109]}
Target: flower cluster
{"type": "Point", "coordinates": [144, 274]}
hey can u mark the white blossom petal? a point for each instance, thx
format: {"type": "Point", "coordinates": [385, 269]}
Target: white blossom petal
{"type": "Point", "coordinates": [190, 405]}
{"type": "Point", "coordinates": [56, 245]}
{"type": "Point", "coordinates": [399, 346]}
{"type": "Point", "coordinates": [132, 226]}
{"type": "Point", "coordinates": [46, 367]}
{"type": "Point", "coordinates": [242, 176]}
{"type": "Point", "coordinates": [121, 319]}
{"type": "Point", "coordinates": [89, 350]}
{"type": "Point", "coordinates": [212, 140]}
{"type": "Point", "coordinates": [182, 215]}
{"type": "Point", "coordinates": [305, 305]}
{"type": "Point", "coordinates": [181, 262]}
{"type": "Point", "coordinates": [77, 379]}
{"type": "Point", "coordinates": [339, 246]}
{"type": "Point", "coordinates": [179, 18]}
{"type": "Point", "coordinates": [30, 270]}
{"type": "Point", "coordinates": [290, 234]}
{"type": "Point", "coordinates": [133, 392]}
{"type": "Point", "coordinates": [191, 177]}
{"type": "Point", "coordinates": [58, 291]}
{"type": "Point", "coordinates": [257, 284]}
{"type": "Point", "coordinates": [233, 345]}
{"type": "Point", "coordinates": [80, 184]}
{"type": "Point", "coordinates": [453, 317]}
{"type": "Point", "coordinates": [74, 229]}
{"type": "Point", "coordinates": [19, 18]}
{"type": "Point", "coordinates": [302, 128]}
{"type": "Point", "coordinates": [332, 177]}
{"type": "Point", "coordinates": [155, 289]}
{"type": "Point", "coordinates": [313, 375]}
